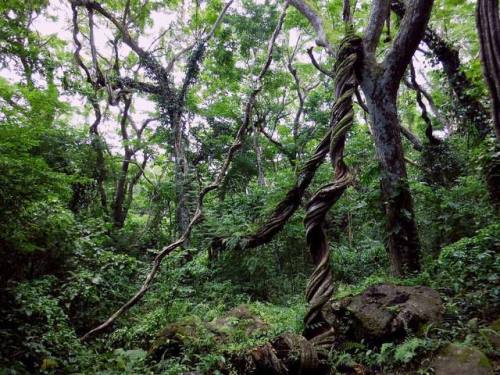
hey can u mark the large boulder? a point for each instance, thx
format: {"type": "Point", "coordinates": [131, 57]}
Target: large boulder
{"type": "Point", "coordinates": [385, 311]}
{"type": "Point", "coordinates": [461, 360]}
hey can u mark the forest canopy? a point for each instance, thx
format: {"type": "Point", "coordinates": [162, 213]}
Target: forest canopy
{"type": "Point", "coordinates": [249, 187]}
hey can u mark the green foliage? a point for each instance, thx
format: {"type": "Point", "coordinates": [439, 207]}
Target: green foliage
{"type": "Point", "coordinates": [38, 331]}
{"type": "Point", "coordinates": [65, 268]}
{"type": "Point", "coordinates": [470, 269]}
{"type": "Point", "coordinates": [354, 265]}
{"type": "Point", "coordinates": [448, 213]}
{"type": "Point", "coordinates": [408, 350]}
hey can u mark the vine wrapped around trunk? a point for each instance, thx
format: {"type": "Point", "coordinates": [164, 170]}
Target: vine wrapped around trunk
{"type": "Point", "coordinates": [320, 287]}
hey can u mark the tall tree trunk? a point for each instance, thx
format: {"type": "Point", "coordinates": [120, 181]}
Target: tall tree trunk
{"type": "Point", "coordinates": [181, 172]}
{"type": "Point", "coordinates": [98, 144]}
{"type": "Point", "coordinates": [488, 25]}
{"type": "Point", "coordinates": [100, 173]}
{"type": "Point", "coordinates": [118, 213]}
{"type": "Point", "coordinates": [121, 190]}
{"type": "Point", "coordinates": [402, 237]}
{"type": "Point", "coordinates": [258, 156]}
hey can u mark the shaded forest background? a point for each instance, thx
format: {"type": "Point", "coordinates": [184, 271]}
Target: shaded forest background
{"type": "Point", "coordinates": [195, 167]}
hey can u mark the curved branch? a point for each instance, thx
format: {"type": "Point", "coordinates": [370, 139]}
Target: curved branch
{"type": "Point", "coordinates": [317, 65]}
{"type": "Point", "coordinates": [127, 38]}
{"type": "Point", "coordinates": [93, 51]}
{"type": "Point", "coordinates": [448, 55]}
{"type": "Point", "coordinates": [412, 138]}
{"type": "Point", "coordinates": [443, 120]}
{"type": "Point", "coordinates": [291, 158]}
{"type": "Point", "coordinates": [78, 44]}
{"type": "Point", "coordinates": [428, 130]}
{"type": "Point", "coordinates": [193, 65]}
{"type": "Point", "coordinates": [316, 21]}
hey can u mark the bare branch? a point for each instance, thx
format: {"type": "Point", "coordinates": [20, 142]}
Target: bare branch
{"type": "Point", "coordinates": [260, 127]}
{"type": "Point", "coordinates": [316, 21]}
{"type": "Point", "coordinates": [146, 87]}
{"type": "Point", "coordinates": [203, 41]}
{"type": "Point", "coordinates": [127, 38]}
{"type": "Point", "coordinates": [448, 55]}
{"type": "Point", "coordinates": [93, 51]}
{"type": "Point", "coordinates": [316, 64]}
{"type": "Point", "coordinates": [218, 21]}
{"type": "Point", "coordinates": [423, 108]}
{"type": "Point", "coordinates": [416, 143]}
{"type": "Point", "coordinates": [78, 44]}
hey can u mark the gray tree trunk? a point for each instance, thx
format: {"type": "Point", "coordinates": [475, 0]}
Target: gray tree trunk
{"type": "Point", "coordinates": [402, 236]}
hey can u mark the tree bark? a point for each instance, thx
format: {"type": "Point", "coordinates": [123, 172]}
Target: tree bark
{"type": "Point", "coordinates": [121, 185]}
{"type": "Point", "coordinates": [488, 25]}
{"type": "Point", "coordinates": [403, 244]}
{"type": "Point", "coordinates": [380, 84]}
{"type": "Point", "coordinates": [258, 155]}
{"type": "Point", "coordinates": [181, 175]}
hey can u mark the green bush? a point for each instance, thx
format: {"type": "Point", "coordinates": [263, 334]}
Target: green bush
{"type": "Point", "coordinates": [469, 270]}
{"type": "Point", "coordinates": [351, 265]}
{"type": "Point", "coordinates": [447, 214]}
{"type": "Point", "coordinates": [37, 333]}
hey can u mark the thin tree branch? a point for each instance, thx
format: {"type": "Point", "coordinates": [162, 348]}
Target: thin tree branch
{"type": "Point", "coordinates": [316, 64]}
{"type": "Point", "coordinates": [416, 143]}
{"type": "Point", "coordinates": [127, 38]}
{"type": "Point", "coordinates": [428, 131]}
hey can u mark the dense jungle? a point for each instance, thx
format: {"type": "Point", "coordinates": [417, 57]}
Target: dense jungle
{"type": "Point", "coordinates": [250, 187]}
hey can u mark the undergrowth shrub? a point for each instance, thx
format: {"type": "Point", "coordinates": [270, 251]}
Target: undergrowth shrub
{"type": "Point", "coordinates": [468, 271]}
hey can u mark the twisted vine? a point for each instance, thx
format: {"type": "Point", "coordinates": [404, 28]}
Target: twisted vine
{"type": "Point", "coordinates": [320, 286]}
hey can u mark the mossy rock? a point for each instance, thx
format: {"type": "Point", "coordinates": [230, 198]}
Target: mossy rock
{"type": "Point", "coordinates": [201, 336]}
{"type": "Point", "coordinates": [386, 312]}
{"type": "Point", "coordinates": [176, 336]}
{"type": "Point", "coordinates": [237, 320]}
{"type": "Point", "coordinates": [461, 360]}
